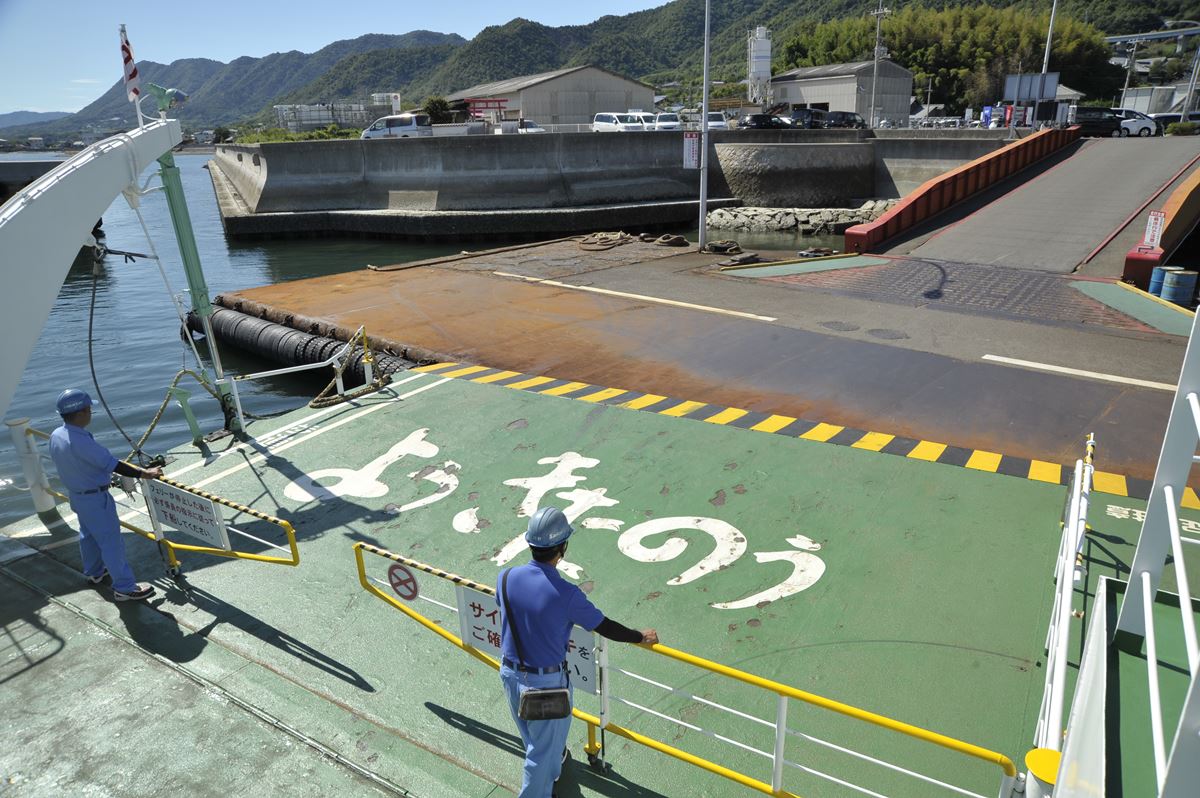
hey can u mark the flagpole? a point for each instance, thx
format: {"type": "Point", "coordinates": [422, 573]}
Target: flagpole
{"type": "Point", "coordinates": [704, 139]}
{"type": "Point", "coordinates": [132, 89]}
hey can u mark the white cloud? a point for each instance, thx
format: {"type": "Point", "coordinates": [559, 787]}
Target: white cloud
{"type": "Point", "coordinates": [85, 80]}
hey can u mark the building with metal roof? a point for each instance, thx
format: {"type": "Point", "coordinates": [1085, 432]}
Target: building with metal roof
{"type": "Point", "coordinates": [847, 87]}
{"type": "Point", "coordinates": [561, 97]}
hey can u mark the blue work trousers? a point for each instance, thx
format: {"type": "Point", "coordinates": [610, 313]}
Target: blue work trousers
{"type": "Point", "coordinates": [544, 739]}
{"type": "Point", "coordinates": [100, 543]}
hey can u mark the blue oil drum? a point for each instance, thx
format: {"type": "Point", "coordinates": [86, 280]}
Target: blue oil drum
{"type": "Point", "coordinates": [1156, 277]}
{"type": "Point", "coordinates": [1179, 287]}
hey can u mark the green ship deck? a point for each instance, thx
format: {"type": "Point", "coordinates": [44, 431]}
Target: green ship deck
{"type": "Point", "coordinates": [924, 594]}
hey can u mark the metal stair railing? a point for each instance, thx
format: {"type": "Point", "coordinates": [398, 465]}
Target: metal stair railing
{"type": "Point", "coordinates": [1067, 572]}
{"type": "Point", "coordinates": [1177, 758]}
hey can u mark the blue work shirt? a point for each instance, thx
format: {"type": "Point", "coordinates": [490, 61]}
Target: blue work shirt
{"type": "Point", "coordinates": [82, 463]}
{"type": "Point", "coordinates": [544, 607]}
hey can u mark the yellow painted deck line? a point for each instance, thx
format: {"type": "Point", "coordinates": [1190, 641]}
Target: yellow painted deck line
{"type": "Point", "coordinates": [927, 450]}
{"type": "Point", "coordinates": [600, 396]}
{"type": "Point", "coordinates": [1147, 295]}
{"type": "Point", "coordinates": [1095, 375]}
{"type": "Point", "coordinates": [1106, 482]}
{"type": "Point", "coordinates": [465, 371]}
{"type": "Point", "coordinates": [984, 461]}
{"type": "Point", "coordinates": [570, 387]}
{"type": "Point", "coordinates": [641, 297]}
{"type": "Point", "coordinates": [681, 409]}
{"type": "Point", "coordinates": [434, 367]}
{"type": "Point", "coordinates": [726, 415]}
{"type": "Point", "coordinates": [529, 383]}
{"type": "Point", "coordinates": [642, 401]}
{"type": "Point", "coordinates": [822, 432]}
{"type": "Point", "coordinates": [1042, 471]}
{"type": "Point", "coordinates": [500, 375]}
{"type": "Point", "coordinates": [773, 423]}
{"type": "Point", "coordinates": [873, 441]}
{"type": "Point", "coordinates": [1190, 500]}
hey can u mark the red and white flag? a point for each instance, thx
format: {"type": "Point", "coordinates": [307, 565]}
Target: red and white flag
{"type": "Point", "coordinates": [132, 89]}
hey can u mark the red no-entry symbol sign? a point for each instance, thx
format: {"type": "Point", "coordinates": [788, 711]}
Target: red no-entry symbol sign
{"type": "Point", "coordinates": [403, 582]}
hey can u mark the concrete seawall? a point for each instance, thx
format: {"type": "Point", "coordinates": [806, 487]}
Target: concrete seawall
{"type": "Point", "coordinates": [553, 183]}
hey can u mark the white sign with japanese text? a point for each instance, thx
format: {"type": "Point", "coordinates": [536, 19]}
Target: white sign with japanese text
{"type": "Point", "coordinates": [691, 150]}
{"type": "Point", "coordinates": [1154, 228]}
{"type": "Point", "coordinates": [479, 627]}
{"type": "Point", "coordinates": [191, 514]}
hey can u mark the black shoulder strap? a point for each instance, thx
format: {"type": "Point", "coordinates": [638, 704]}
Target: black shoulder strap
{"type": "Point", "coordinates": [512, 627]}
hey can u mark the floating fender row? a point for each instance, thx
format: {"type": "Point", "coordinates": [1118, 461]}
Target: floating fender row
{"type": "Point", "coordinates": [288, 347]}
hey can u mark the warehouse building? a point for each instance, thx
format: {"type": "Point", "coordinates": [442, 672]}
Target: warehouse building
{"type": "Point", "coordinates": [847, 87]}
{"type": "Point", "coordinates": [562, 97]}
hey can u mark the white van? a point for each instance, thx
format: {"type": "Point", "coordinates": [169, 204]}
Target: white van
{"type": "Point", "coordinates": [616, 123]}
{"type": "Point", "coordinates": [400, 126]}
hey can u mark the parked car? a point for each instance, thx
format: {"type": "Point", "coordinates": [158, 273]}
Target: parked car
{"type": "Point", "coordinates": [1095, 121]}
{"type": "Point", "coordinates": [401, 126]}
{"type": "Point", "coordinates": [1135, 123]}
{"type": "Point", "coordinates": [667, 121]}
{"type": "Point", "coordinates": [646, 119]}
{"type": "Point", "coordinates": [761, 122]}
{"type": "Point", "coordinates": [1162, 120]}
{"type": "Point", "coordinates": [807, 118]}
{"type": "Point", "coordinates": [844, 119]}
{"type": "Point", "coordinates": [717, 121]}
{"type": "Point", "coordinates": [616, 123]}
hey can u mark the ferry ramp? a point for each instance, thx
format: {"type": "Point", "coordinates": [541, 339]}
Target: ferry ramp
{"type": "Point", "coordinates": [1063, 215]}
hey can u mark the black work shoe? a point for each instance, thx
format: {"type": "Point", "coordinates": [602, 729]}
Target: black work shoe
{"type": "Point", "coordinates": [140, 593]}
{"type": "Point", "coordinates": [95, 580]}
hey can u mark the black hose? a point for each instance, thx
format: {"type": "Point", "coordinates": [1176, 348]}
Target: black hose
{"type": "Point", "coordinates": [92, 366]}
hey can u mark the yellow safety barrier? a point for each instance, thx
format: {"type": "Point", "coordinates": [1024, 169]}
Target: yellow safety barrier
{"type": "Point", "coordinates": [594, 723]}
{"type": "Point", "coordinates": [171, 546]}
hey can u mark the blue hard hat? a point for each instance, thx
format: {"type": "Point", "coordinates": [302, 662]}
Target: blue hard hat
{"type": "Point", "coordinates": [548, 528]}
{"type": "Point", "coordinates": [72, 400]}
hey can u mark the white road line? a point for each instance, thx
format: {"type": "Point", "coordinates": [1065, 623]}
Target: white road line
{"type": "Point", "coordinates": [1095, 375]}
{"type": "Point", "coordinates": [68, 517]}
{"type": "Point", "coordinates": [643, 297]}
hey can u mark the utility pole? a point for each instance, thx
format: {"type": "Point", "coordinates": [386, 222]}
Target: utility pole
{"type": "Point", "coordinates": [928, 95]}
{"type": "Point", "coordinates": [1129, 72]}
{"type": "Point", "coordinates": [1045, 60]}
{"type": "Point", "coordinates": [879, 13]}
{"type": "Point", "coordinates": [704, 139]}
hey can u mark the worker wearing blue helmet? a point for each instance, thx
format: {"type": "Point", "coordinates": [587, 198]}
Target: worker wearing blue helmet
{"type": "Point", "coordinates": [86, 468]}
{"type": "Point", "coordinates": [542, 607]}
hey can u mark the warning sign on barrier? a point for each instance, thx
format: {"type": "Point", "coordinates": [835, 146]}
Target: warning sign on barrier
{"type": "Point", "coordinates": [479, 627]}
{"type": "Point", "coordinates": [1154, 228]}
{"type": "Point", "coordinates": [403, 582]}
{"type": "Point", "coordinates": [185, 511]}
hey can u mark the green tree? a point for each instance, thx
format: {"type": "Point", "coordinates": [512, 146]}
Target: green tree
{"type": "Point", "coordinates": [221, 134]}
{"type": "Point", "coordinates": [438, 109]}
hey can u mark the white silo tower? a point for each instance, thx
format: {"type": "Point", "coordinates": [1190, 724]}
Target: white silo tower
{"type": "Point", "coordinates": [759, 65]}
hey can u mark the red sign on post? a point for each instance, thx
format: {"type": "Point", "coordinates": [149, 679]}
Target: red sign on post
{"type": "Point", "coordinates": [403, 582]}
{"type": "Point", "coordinates": [1154, 228]}
{"type": "Point", "coordinates": [691, 150]}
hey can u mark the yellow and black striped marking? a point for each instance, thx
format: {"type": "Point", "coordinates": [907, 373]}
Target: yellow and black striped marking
{"type": "Point", "coordinates": [429, 569]}
{"type": "Point", "coordinates": [930, 451]}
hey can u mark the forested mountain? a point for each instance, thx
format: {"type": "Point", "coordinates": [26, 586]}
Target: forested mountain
{"type": "Point", "coordinates": [30, 117]}
{"type": "Point", "coordinates": [224, 93]}
{"type": "Point", "coordinates": [657, 45]}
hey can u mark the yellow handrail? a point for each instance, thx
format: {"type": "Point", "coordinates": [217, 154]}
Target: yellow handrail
{"type": "Point", "coordinates": [586, 717]}
{"type": "Point", "coordinates": [882, 721]}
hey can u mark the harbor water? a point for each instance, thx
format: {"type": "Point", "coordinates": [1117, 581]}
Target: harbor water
{"type": "Point", "coordinates": [136, 344]}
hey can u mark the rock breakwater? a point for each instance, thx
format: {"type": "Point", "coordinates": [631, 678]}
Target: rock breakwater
{"type": "Point", "coordinates": [809, 221]}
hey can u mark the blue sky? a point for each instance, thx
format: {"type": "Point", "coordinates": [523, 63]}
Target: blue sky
{"type": "Point", "coordinates": [60, 55]}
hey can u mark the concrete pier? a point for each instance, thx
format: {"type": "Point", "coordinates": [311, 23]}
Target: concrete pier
{"type": "Point", "coordinates": [560, 183]}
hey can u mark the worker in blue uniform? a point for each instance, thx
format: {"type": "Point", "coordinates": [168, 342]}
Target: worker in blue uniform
{"type": "Point", "coordinates": [543, 608]}
{"type": "Point", "coordinates": [86, 468]}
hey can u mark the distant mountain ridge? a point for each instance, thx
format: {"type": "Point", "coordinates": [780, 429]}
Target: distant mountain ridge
{"type": "Point", "coordinates": [30, 117]}
{"type": "Point", "coordinates": [656, 45]}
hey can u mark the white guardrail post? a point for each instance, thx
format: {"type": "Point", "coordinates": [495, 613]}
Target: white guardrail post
{"type": "Point", "coordinates": [31, 464]}
{"type": "Point", "coordinates": [780, 737]}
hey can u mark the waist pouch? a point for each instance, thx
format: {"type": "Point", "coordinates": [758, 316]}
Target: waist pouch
{"type": "Point", "coordinates": [544, 703]}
